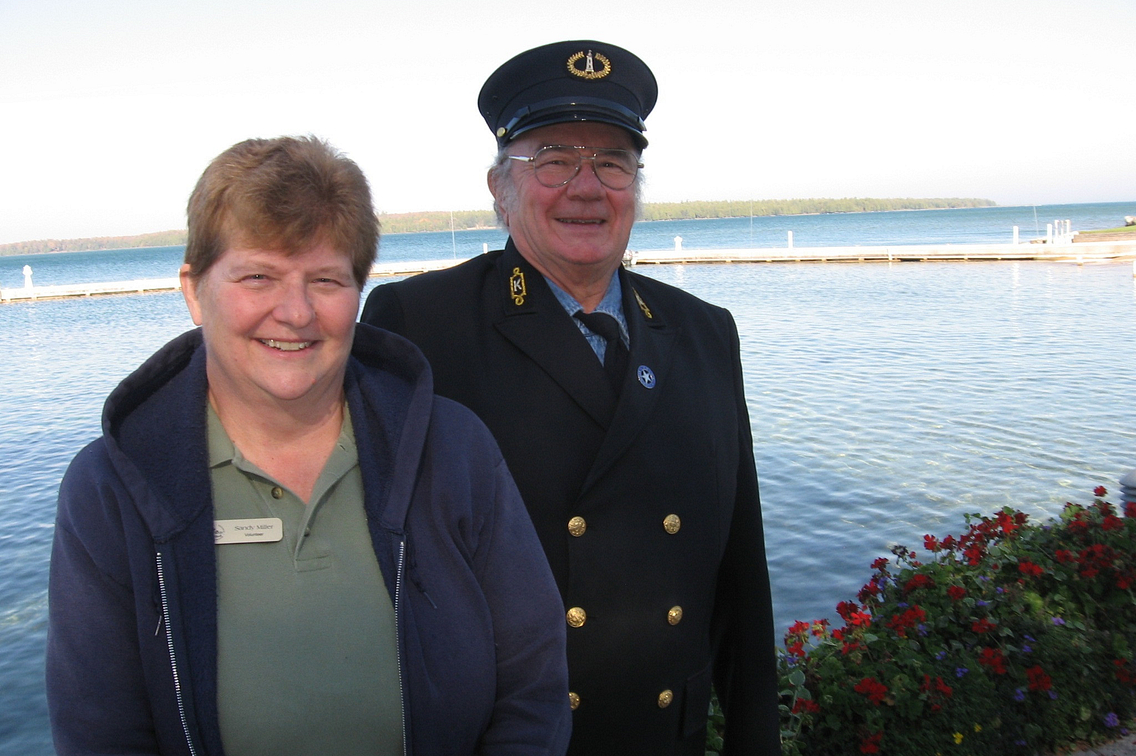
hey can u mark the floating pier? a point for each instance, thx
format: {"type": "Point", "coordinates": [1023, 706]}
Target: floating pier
{"type": "Point", "coordinates": [1080, 253]}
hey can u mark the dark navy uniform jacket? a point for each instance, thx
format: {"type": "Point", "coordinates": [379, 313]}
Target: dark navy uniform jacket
{"type": "Point", "coordinates": [646, 505]}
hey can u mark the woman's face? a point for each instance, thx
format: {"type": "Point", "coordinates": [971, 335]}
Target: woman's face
{"type": "Point", "coordinates": [278, 327]}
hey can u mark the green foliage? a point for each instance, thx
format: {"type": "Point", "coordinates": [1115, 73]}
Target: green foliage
{"type": "Point", "coordinates": [745, 208]}
{"type": "Point", "coordinates": [44, 246]}
{"type": "Point", "coordinates": [1011, 639]}
{"type": "Point", "coordinates": [409, 223]}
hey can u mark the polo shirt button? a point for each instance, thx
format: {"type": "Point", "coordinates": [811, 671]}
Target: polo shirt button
{"type": "Point", "coordinates": [576, 617]}
{"type": "Point", "coordinates": [665, 699]}
{"type": "Point", "coordinates": [573, 701]}
{"type": "Point", "coordinates": [577, 526]}
{"type": "Point", "coordinates": [671, 523]}
{"type": "Point", "coordinates": [674, 616]}
{"type": "Point", "coordinates": [277, 492]}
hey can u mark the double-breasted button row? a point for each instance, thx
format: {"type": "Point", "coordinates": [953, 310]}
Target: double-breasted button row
{"type": "Point", "coordinates": [576, 616]}
{"type": "Point", "coordinates": [665, 699]}
{"type": "Point", "coordinates": [577, 526]}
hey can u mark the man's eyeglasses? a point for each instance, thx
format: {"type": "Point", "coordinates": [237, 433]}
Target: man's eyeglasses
{"type": "Point", "coordinates": [558, 164]}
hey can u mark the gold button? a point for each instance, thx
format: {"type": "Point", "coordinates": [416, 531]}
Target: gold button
{"type": "Point", "coordinates": [573, 701]}
{"type": "Point", "coordinates": [665, 699]}
{"type": "Point", "coordinates": [577, 526]}
{"type": "Point", "coordinates": [671, 523]}
{"type": "Point", "coordinates": [674, 616]}
{"type": "Point", "coordinates": [577, 617]}
{"type": "Point", "coordinates": [277, 492]}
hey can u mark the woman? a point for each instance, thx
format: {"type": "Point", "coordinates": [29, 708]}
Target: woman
{"type": "Point", "coordinates": [284, 543]}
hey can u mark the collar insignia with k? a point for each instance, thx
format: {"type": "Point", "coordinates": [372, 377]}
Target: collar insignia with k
{"type": "Point", "coordinates": [517, 287]}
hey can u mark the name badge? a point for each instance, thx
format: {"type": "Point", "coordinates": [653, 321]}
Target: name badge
{"type": "Point", "coordinates": [260, 530]}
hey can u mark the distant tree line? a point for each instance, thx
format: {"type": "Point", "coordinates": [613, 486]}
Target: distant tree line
{"type": "Point", "coordinates": [43, 246]}
{"type": "Point", "coordinates": [745, 208]}
{"type": "Point", "coordinates": [436, 220]}
{"type": "Point", "coordinates": [462, 220]}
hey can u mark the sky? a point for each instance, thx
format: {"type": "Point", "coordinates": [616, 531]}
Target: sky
{"type": "Point", "coordinates": [111, 109]}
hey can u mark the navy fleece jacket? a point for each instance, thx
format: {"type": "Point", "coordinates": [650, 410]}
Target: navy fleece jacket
{"type": "Point", "coordinates": [132, 639]}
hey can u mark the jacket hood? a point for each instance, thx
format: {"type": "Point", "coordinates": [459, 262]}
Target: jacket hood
{"type": "Point", "coordinates": [154, 427]}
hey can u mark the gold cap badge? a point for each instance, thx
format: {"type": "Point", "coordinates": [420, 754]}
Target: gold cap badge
{"type": "Point", "coordinates": [584, 65]}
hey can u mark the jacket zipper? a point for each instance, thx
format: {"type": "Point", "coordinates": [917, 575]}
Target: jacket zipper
{"type": "Point", "coordinates": [173, 658]}
{"type": "Point", "coordinates": [398, 641]}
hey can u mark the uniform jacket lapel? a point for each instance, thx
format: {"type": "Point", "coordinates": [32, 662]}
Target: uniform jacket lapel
{"type": "Point", "coordinates": [535, 322]}
{"type": "Point", "coordinates": [651, 354]}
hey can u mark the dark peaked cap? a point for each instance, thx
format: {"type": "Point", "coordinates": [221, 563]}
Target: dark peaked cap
{"type": "Point", "coordinates": [568, 81]}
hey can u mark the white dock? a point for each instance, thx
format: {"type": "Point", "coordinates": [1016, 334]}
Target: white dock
{"type": "Point", "coordinates": [1080, 253]}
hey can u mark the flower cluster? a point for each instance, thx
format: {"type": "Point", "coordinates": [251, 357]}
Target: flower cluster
{"type": "Point", "coordinates": [1011, 638]}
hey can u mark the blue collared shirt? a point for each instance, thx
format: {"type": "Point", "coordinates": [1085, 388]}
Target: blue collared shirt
{"type": "Point", "coordinates": [611, 304]}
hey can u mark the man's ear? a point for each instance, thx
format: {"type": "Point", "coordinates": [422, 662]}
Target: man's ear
{"type": "Point", "coordinates": [498, 208]}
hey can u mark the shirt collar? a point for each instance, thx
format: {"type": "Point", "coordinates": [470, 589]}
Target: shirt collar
{"type": "Point", "coordinates": [611, 304]}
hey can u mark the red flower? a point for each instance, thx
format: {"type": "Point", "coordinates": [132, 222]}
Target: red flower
{"type": "Point", "coordinates": [846, 608]}
{"type": "Point", "coordinates": [901, 623]}
{"type": "Point", "coordinates": [795, 649]}
{"type": "Point", "coordinates": [1038, 680]}
{"type": "Point", "coordinates": [1100, 491]}
{"type": "Point", "coordinates": [871, 744]}
{"type": "Point", "coordinates": [936, 692]}
{"type": "Point", "coordinates": [818, 627]}
{"type": "Point", "coordinates": [1130, 509]}
{"type": "Point", "coordinates": [798, 628]}
{"type": "Point", "coordinates": [1029, 568]}
{"type": "Point", "coordinates": [880, 563]}
{"type": "Point", "coordinates": [992, 657]}
{"type": "Point", "coordinates": [931, 543]}
{"type": "Point", "coordinates": [1123, 581]}
{"type": "Point", "coordinates": [1122, 672]}
{"type": "Point", "coordinates": [1064, 555]}
{"type": "Point", "coordinates": [983, 626]}
{"type": "Point", "coordinates": [873, 689]}
{"type": "Point", "coordinates": [1112, 522]}
{"type": "Point", "coordinates": [805, 706]}
{"type": "Point", "coordinates": [956, 592]}
{"type": "Point", "coordinates": [919, 581]}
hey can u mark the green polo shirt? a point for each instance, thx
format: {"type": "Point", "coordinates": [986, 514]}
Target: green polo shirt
{"type": "Point", "coordinates": [306, 646]}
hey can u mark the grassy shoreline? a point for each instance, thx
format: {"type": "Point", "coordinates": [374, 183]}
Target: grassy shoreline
{"type": "Point", "coordinates": [466, 220]}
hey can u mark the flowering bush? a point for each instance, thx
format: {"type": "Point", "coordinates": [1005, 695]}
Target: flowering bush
{"type": "Point", "coordinates": [1011, 638]}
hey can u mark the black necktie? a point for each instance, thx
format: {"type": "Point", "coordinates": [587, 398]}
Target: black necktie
{"type": "Point", "coordinates": [615, 355]}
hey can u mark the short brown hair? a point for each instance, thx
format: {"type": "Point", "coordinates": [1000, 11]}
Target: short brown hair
{"type": "Point", "coordinates": [284, 194]}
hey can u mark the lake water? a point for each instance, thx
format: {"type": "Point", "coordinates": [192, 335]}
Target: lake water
{"type": "Point", "coordinates": [886, 399]}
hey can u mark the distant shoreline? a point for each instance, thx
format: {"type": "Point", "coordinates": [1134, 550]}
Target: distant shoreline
{"type": "Point", "coordinates": [467, 220]}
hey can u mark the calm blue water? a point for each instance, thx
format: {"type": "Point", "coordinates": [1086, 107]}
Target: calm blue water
{"type": "Point", "coordinates": [886, 399]}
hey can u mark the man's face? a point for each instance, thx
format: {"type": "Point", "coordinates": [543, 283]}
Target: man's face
{"type": "Point", "coordinates": [569, 230]}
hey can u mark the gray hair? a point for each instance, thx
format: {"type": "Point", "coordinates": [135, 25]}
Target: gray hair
{"type": "Point", "coordinates": [505, 197]}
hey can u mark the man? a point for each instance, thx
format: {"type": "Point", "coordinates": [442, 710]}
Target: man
{"type": "Point", "coordinates": [637, 467]}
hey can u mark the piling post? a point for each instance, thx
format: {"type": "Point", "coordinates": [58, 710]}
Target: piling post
{"type": "Point", "coordinates": [790, 240]}
{"type": "Point", "coordinates": [1015, 236]}
{"type": "Point", "coordinates": [27, 276]}
{"type": "Point", "coordinates": [1048, 233]}
{"type": "Point", "coordinates": [678, 244]}
{"type": "Point", "coordinates": [1128, 487]}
